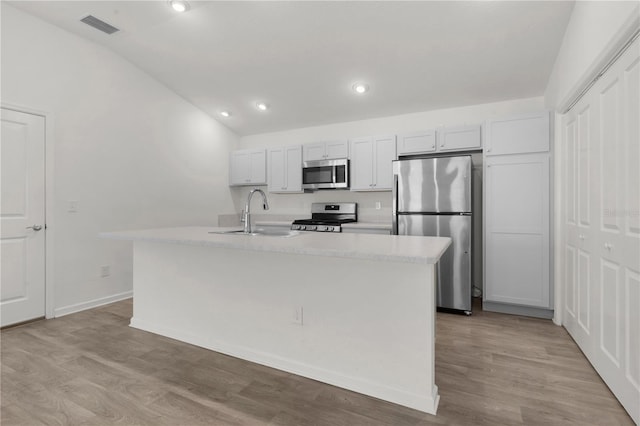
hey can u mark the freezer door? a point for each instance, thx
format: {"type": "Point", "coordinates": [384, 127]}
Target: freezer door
{"type": "Point", "coordinates": [454, 269]}
{"type": "Point", "coordinates": [433, 185]}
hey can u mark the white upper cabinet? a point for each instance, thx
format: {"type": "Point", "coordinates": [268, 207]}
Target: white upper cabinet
{"type": "Point", "coordinates": [248, 167]}
{"type": "Point", "coordinates": [459, 138]}
{"type": "Point", "coordinates": [285, 169]}
{"type": "Point", "coordinates": [416, 143]}
{"type": "Point", "coordinates": [371, 159]}
{"type": "Point", "coordinates": [325, 150]}
{"type": "Point", "coordinates": [520, 134]}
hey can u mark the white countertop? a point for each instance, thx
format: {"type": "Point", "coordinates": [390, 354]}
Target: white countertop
{"type": "Point", "coordinates": [394, 248]}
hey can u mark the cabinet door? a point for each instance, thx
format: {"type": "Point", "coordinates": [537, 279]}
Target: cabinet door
{"type": "Point", "coordinates": [277, 173]}
{"type": "Point", "coordinates": [337, 149]}
{"type": "Point", "coordinates": [293, 166]}
{"type": "Point", "coordinates": [517, 230]}
{"type": "Point", "coordinates": [459, 138]}
{"type": "Point", "coordinates": [362, 164]}
{"type": "Point", "coordinates": [239, 168]}
{"type": "Point", "coordinates": [313, 151]}
{"type": "Point", "coordinates": [518, 135]}
{"type": "Point", "coordinates": [385, 153]}
{"type": "Point", "coordinates": [416, 143]}
{"type": "Point", "coordinates": [258, 167]}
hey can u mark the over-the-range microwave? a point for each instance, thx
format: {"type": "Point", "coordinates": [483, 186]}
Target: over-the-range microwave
{"type": "Point", "coordinates": [325, 174]}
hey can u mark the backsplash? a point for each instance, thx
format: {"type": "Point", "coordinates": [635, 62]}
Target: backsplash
{"type": "Point", "coordinates": [285, 207]}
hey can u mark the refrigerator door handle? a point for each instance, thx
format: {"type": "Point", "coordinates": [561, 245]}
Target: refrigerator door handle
{"type": "Point", "coordinates": [394, 215]}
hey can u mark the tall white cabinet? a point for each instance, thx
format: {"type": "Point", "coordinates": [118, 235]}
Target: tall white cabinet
{"type": "Point", "coordinates": [517, 216]}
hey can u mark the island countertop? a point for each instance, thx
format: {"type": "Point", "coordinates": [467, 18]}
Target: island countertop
{"type": "Point", "coordinates": [398, 248]}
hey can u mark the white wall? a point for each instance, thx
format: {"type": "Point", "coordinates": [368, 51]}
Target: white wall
{"type": "Point", "coordinates": [132, 153]}
{"type": "Point", "coordinates": [300, 204]}
{"type": "Point", "coordinates": [592, 26]}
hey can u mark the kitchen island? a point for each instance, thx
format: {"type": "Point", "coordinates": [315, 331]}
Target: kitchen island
{"type": "Point", "coordinates": [353, 310]}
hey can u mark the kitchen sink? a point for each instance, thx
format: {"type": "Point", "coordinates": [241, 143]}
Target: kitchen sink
{"type": "Point", "coordinates": [286, 233]}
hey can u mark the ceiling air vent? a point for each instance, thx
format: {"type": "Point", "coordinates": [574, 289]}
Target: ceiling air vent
{"type": "Point", "coordinates": [98, 24]}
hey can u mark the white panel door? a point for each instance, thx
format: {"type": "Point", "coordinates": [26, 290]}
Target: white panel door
{"type": "Point", "coordinates": [22, 215]}
{"type": "Point", "coordinates": [293, 164]}
{"type": "Point", "coordinates": [362, 164]}
{"type": "Point", "coordinates": [258, 167]}
{"type": "Point", "coordinates": [601, 227]}
{"type": "Point", "coordinates": [517, 230]}
{"type": "Point", "coordinates": [277, 172]}
{"type": "Point", "coordinates": [385, 153]}
{"type": "Point", "coordinates": [239, 168]}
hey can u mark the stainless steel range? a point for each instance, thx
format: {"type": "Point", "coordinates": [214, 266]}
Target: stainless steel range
{"type": "Point", "coordinates": [327, 217]}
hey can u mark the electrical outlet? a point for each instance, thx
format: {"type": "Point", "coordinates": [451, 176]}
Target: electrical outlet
{"type": "Point", "coordinates": [378, 205]}
{"type": "Point", "coordinates": [105, 271]}
{"type": "Point", "coordinates": [297, 315]}
{"type": "Point", "coordinates": [73, 206]}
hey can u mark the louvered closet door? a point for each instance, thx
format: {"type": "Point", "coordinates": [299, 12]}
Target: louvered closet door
{"type": "Point", "coordinates": [601, 227]}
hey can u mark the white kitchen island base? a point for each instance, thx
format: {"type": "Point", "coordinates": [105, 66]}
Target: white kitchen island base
{"type": "Point", "coordinates": [368, 324]}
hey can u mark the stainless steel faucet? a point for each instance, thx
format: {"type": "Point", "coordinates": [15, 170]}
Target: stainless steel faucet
{"type": "Point", "coordinates": [246, 213]}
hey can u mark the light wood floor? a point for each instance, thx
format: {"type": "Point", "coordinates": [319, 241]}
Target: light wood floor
{"type": "Point", "coordinates": [91, 368]}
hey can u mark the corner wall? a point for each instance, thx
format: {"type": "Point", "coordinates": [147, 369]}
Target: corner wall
{"type": "Point", "coordinates": [130, 152]}
{"type": "Point", "coordinates": [592, 27]}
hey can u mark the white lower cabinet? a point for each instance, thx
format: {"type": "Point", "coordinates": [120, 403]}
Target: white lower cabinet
{"type": "Point", "coordinates": [285, 169]}
{"type": "Point", "coordinates": [371, 159]}
{"type": "Point", "coordinates": [517, 230]}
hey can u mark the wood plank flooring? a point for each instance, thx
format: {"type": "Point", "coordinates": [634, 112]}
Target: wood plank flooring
{"type": "Point", "coordinates": [92, 368]}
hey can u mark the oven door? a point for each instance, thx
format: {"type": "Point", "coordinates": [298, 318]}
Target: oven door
{"type": "Point", "coordinates": [325, 174]}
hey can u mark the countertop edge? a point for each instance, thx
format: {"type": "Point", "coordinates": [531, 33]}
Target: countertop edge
{"type": "Point", "coordinates": [254, 244]}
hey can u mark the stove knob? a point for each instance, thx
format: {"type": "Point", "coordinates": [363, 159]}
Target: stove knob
{"type": "Point", "coordinates": [311, 228]}
{"type": "Point", "coordinates": [295, 227]}
{"type": "Point", "coordinates": [321, 228]}
{"type": "Point", "coordinates": [302, 227]}
{"type": "Point", "coordinates": [330, 228]}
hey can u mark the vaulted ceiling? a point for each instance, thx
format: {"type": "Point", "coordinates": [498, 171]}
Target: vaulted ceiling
{"type": "Point", "coordinates": [303, 57]}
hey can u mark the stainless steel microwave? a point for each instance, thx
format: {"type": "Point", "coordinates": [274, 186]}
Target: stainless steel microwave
{"type": "Point", "coordinates": [325, 174]}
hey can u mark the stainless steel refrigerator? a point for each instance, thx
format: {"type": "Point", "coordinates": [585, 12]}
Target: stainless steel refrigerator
{"type": "Point", "coordinates": [432, 197]}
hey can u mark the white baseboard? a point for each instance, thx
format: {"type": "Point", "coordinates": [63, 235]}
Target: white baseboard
{"type": "Point", "coordinates": [425, 403]}
{"type": "Point", "coordinates": [66, 310]}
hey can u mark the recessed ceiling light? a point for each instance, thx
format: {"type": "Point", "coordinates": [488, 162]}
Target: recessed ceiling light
{"type": "Point", "coordinates": [262, 106]}
{"type": "Point", "coordinates": [360, 88]}
{"type": "Point", "coordinates": [225, 114]}
{"type": "Point", "coordinates": [179, 5]}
